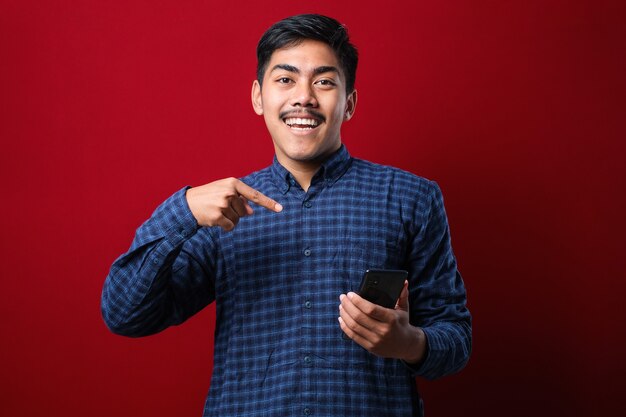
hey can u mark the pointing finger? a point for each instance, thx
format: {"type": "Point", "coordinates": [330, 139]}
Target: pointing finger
{"type": "Point", "coordinates": [257, 197]}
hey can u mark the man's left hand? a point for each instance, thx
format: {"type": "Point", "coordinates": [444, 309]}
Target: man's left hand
{"type": "Point", "coordinates": [382, 331]}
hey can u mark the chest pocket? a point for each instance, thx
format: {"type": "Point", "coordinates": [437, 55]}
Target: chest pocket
{"type": "Point", "coordinates": [352, 260]}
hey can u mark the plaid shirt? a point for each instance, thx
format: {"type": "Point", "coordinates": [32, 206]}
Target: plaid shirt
{"type": "Point", "coordinates": [276, 280]}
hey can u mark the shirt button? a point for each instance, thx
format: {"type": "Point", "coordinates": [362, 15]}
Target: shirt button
{"type": "Point", "coordinates": [307, 304]}
{"type": "Point", "coordinates": [306, 411]}
{"type": "Point", "coordinates": [308, 204]}
{"type": "Point", "coordinates": [308, 360]}
{"type": "Point", "coordinates": [183, 232]}
{"type": "Point", "coordinates": [155, 261]}
{"type": "Point", "coordinates": [307, 252]}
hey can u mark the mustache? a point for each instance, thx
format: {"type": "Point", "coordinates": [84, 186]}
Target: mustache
{"type": "Point", "coordinates": [301, 113]}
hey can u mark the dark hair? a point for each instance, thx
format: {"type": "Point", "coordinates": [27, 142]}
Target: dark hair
{"type": "Point", "coordinates": [295, 29]}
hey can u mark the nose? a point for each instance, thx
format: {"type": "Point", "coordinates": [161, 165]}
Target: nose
{"type": "Point", "coordinates": [303, 96]}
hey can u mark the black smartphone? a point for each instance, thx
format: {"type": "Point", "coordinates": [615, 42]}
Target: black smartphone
{"type": "Point", "coordinates": [383, 286]}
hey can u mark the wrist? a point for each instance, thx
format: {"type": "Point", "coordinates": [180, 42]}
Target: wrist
{"type": "Point", "coordinates": [190, 197]}
{"type": "Point", "coordinates": [416, 348]}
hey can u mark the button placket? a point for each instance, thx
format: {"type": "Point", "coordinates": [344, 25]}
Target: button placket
{"type": "Point", "coordinates": [309, 243]}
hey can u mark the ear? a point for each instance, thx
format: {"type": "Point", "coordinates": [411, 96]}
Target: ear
{"type": "Point", "coordinates": [257, 100]}
{"type": "Point", "coordinates": [350, 106]}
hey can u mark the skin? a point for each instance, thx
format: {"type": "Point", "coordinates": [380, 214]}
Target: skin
{"type": "Point", "coordinates": [382, 331]}
{"type": "Point", "coordinates": [304, 81]}
{"type": "Point", "coordinates": [222, 203]}
{"type": "Point", "coordinates": [304, 102]}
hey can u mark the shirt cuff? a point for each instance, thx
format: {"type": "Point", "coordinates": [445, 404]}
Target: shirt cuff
{"type": "Point", "coordinates": [436, 349]}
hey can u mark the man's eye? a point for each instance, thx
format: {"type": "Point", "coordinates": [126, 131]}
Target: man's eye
{"type": "Point", "coordinates": [283, 80]}
{"type": "Point", "coordinates": [326, 82]}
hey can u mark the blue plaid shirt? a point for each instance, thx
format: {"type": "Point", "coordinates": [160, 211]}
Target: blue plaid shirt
{"type": "Point", "coordinates": [276, 280]}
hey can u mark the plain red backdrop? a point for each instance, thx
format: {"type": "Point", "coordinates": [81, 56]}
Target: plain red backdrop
{"type": "Point", "coordinates": [516, 108]}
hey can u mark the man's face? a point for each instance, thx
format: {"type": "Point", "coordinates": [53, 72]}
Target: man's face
{"type": "Point", "coordinates": [304, 103]}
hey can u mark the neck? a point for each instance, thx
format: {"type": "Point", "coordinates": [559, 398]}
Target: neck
{"type": "Point", "coordinates": [303, 172]}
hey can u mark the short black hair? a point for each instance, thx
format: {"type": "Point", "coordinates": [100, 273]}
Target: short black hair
{"type": "Point", "coordinates": [295, 29]}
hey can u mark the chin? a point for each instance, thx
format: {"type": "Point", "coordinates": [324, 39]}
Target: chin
{"type": "Point", "coordinates": [302, 153]}
{"type": "Point", "coordinates": [306, 152]}
{"type": "Point", "coordinates": [302, 156]}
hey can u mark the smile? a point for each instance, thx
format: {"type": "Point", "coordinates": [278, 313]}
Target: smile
{"type": "Point", "coordinates": [300, 123]}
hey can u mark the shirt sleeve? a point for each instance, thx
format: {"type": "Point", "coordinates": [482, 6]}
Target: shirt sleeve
{"type": "Point", "coordinates": [437, 294]}
{"type": "Point", "coordinates": [166, 276]}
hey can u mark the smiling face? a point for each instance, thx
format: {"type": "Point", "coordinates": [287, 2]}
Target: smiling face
{"type": "Point", "coordinates": [304, 102]}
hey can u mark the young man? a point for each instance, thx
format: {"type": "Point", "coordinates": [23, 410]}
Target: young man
{"type": "Point", "coordinates": [292, 337]}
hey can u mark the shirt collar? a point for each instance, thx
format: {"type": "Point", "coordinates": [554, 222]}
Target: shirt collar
{"type": "Point", "coordinates": [330, 171]}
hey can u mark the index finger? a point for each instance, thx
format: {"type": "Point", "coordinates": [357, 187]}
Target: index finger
{"type": "Point", "coordinates": [257, 197]}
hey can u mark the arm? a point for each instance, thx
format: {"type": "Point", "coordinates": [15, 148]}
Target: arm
{"type": "Point", "coordinates": [159, 282]}
{"type": "Point", "coordinates": [432, 332]}
{"type": "Point", "coordinates": [438, 300]}
{"type": "Point", "coordinates": [168, 273]}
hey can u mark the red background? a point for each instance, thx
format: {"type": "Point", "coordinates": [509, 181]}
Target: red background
{"type": "Point", "coordinates": [516, 108]}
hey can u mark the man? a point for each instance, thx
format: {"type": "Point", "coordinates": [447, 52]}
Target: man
{"type": "Point", "coordinates": [292, 337]}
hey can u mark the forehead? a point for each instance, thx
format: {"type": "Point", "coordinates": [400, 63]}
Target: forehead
{"type": "Point", "coordinates": [306, 56]}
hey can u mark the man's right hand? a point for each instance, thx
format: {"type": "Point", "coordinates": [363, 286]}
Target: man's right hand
{"type": "Point", "coordinates": [222, 203]}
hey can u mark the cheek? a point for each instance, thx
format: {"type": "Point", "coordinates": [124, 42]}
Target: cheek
{"type": "Point", "coordinates": [272, 103]}
{"type": "Point", "coordinates": [338, 115]}
{"type": "Point", "coordinates": [339, 107]}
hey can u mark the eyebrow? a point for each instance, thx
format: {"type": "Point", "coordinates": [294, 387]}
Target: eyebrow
{"type": "Point", "coordinates": [295, 70]}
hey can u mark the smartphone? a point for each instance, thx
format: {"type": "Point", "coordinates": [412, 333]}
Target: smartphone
{"type": "Point", "coordinates": [383, 286]}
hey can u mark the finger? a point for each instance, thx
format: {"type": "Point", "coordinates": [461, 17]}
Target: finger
{"type": "Point", "coordinates": [257, 197]}
{"type": "Point", "coordinates": [239, 205]}
{"type": "Point", "coordinates": [353, 315]}
{"type": "Point", "coordinates": [249, 210]}
{"type": "Point", "coordinates": [225, 223]}
{"type": "Point", "coordinates": [370, 309]}
{"type": "Point", "coordinates": [403, 301]}
{"type": "Point", "coordinates": [230, 215]}
{"type": "Point", "coordinates": [346, 330]}
{"type": "Point", "coordinates": [352, 329]}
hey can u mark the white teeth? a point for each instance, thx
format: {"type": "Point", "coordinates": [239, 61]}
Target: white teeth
{"type": "Point", "coordinates": [299, 121]}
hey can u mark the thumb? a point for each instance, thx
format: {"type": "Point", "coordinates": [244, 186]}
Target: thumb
{"type": "Point", "coordinates": [403, 300]}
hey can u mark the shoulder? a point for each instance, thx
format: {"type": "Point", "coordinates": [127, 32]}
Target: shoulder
{"type": "Point", "coordinates": [415, 198]}
{"type": "Point", "coordinates": [403, 183]}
